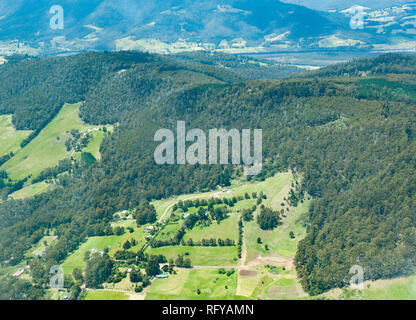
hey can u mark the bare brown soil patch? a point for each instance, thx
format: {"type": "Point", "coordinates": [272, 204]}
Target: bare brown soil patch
{"type": "Point", "coordinates": [273, 260]}
{"type": "Point", "coordinates": [248, 273]}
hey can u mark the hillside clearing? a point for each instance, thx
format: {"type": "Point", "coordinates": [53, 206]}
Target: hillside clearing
{"type": "Point", "coordinates": [31, 190]}
{"type": "Point", "coordinates": [186, 283]}
{"type": "Point", "coordinates": [112, 243]}
{"type": "Point", "coordinates": [48, 148]}
{"type": "Point", "coordinates": [10, 138]}
{"type": "Point", "coordinates": [106, 295]}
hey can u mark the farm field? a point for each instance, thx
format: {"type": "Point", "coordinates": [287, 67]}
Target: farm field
{"type": "Point", "coordinates": [274, 187]}
{"type": "Point", "coordinates": [48, 148]}
{"type": "Point", "coordinates": [94, 145]}
{"type": "Point", "coordinates": [403, 288]}
{"type": "Point", "coordinates": [394, 289]}
{"type": "Point", "coordinates": [31, 190]}
{"type": "Point", "coordinates": [113, 243]}
{"type": "Point", "coordinates": [194, 285]}
{"type": "Point", "coordinates": [228, 228]}
{"type": "Point", "coordinates": [169, 230]}
{"type": "Point", "coordinates": [278, 240]}
{"type": "Point", "coordinates": [200, 256]}
{"type": "Point", "coordinates": [106, 295]}
{"type": "Point", "coordinates": [76, 260]}
{"type": "Point", "coordinates": [40, 246]}
{"type": "Point", "coordinates": [124, 285]}
{"type": "Point", "coordinates": [10, 138]}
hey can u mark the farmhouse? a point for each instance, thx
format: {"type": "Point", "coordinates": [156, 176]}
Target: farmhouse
{"type": "Point", "coordinates": [18, 273]}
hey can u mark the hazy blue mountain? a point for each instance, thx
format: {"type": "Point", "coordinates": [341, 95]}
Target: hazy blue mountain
{"type": "Point", "coordinates": [343, 4]}
{"type": "Point", "coordinates": [236, 26]}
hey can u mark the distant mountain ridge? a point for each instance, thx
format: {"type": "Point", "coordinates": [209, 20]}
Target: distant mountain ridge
{"type": "Point", "coordinates": [325, 5]}
{"type": "Point", "coordinates": [233, 26]}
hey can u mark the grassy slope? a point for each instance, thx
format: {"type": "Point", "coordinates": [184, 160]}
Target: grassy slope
{"type": "Point", "coordinates": [278, 240]}
{"type": "Point", "coordinates": [228, 228]}
{"type": "Point", "coordinates": [40, 246]}
{"type": "Point", "coordinates": [10, 138]}
{"type": "Point", "coordinates": [393, 289]}
{"type": "Point", "coordinates": [106, 295]}
{"type": "Point", "coordinates": [184, 286]}
{"type": "Point", "coordinates": [48, 148]}
{"type": "Point", "coordinates": [201, 256]}
{"type": "Point", "coordinates": [31, 190]}
{"type": "Point", "coordinates": [94, 145]}
{"type": "Point", "coordinates": [76, 260]}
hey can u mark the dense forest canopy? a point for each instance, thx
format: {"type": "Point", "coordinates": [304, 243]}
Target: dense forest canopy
{"type": "Point", "coordinates": [353, 139]}
{"type": "Point", "coordinates": [381, 65]}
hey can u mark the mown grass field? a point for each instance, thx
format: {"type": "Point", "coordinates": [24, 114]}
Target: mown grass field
{"type": "Point", "coordinates": [403, 288]}
{"type": "Point", "coordinates": [94, 145]}
{"type": "Point", "coordinates": [200, 256]}
{"type": "Point", "coordinates": [123, 285]}
{"type": "Point", "coordinates": [48, 148]}
{"type": "Point", "coordinates": [277, 240]}
{"type": "Point", "coordinates": [10, 138]}
{"type": "Point", "coordinates": [169, 231]}
{"type": "Point", "coordinates": [394, 289]}
{"type": "Point", "coordinates": [106, 295]}
{"type": "Point", "coordinates": [284, 287]}
{"type": "Point", "coordinates": [273, 187]}
{"type": "Point", "coordinates": [227, 228]}
{"type": "Point", "coordinates": [31, 190]}
{"type": "Point", "coordinates": [186, 283]}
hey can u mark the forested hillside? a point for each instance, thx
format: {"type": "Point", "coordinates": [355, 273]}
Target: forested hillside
{"type": "Point", "coordinates": [382, 65]}
{"type": "Point", "coordinates": [353, 139]}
